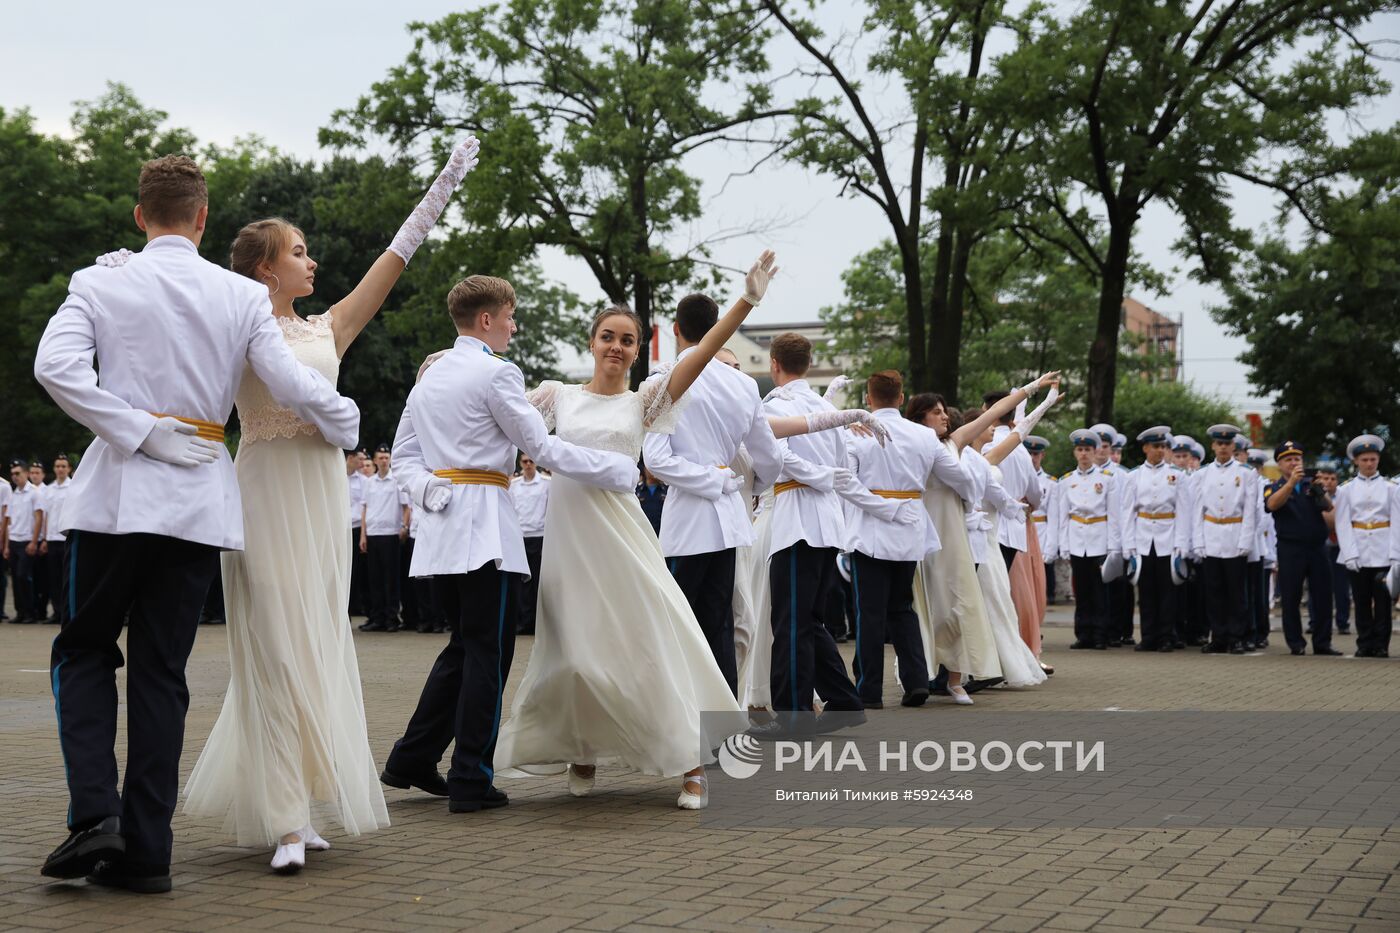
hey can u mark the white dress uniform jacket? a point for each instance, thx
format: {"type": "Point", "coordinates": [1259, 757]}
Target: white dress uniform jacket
{"type": "Point", "coordinates": [1223, 515]}
{"type": "Point", "coordinates": [469, 412]}
{"type": "Point", "coordinates": [1018, 480]}
{"type": "Point", "coordinates": [905, 464]}
{"type": "Point", "coordinates": [723, 410]}
{"type": "Point", "coordinates": [25, 501]}
{"type": "Point", "coordinates": [805, 513]}
{"type": "Point", "coordinates": [384, 502]}
{"type": "Point", "coordinates": [1043, 517]}
{"type": "Point", "coordinates": [531, 498]}
{"type": "Point", "coordinates": [1149, 507]}
{"type": "Point", "coordinates": [55, 494]}
{"type": "Point", "coordinates": [1086, 506]}
{"type": "Point", "coordinates": [169, 332]}
{"type": "Point", "coordinates": [1367, 517]}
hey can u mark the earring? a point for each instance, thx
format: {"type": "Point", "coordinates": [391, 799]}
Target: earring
{"type": "Point", "coordinates": [279, 285]}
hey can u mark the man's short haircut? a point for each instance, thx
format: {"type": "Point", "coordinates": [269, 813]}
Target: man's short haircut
{"type": "Point", "coordinates": [885, 387]}
{"type": "Point", "coordinates": [792, 352]}
{"type": "Point", "coordinates": [991, 398]}
{"type": "Point", "coordinates": [171, 191]}
{"type": "Point", "coordinates": [475, 294]}
{"type": "Point", "coordinates": [695, 315]}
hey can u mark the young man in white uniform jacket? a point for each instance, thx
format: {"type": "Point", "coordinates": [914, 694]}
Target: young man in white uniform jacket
{"type": "Point", "coordinates": [453, 454]}
{"type": "Point", "coordinates": [155, 501]}
{"type": "Point", "coordinates": [1223, 517]}
{"type": "Point", "coordinates": [885, 552]}
{"type": "Point", "coordinates": [705, 517]}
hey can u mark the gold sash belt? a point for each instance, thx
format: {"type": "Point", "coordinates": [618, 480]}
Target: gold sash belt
{"type": "Point", "coordinates": [898, 493]}
{"type": "Point", "coordinates": [1157, 516]}
{"type": "Point", "coordinates": [475, 477]}
{"type": "Point", "coordinates": [1088, 521]}
{"type": "Point", "coordinates": [1234, 520]}
{"type": "Point", "coordinates": [208, 430]}
{"type": "Point", "coordinates": [1370, 526]}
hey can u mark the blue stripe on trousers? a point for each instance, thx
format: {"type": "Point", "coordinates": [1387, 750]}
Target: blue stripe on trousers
{"type": "Point", "coordinates": [855, 586]}
{"type": "Point", "coordinates": [792, 625]}
{"type": "Point", "coordinates": [500, 685]}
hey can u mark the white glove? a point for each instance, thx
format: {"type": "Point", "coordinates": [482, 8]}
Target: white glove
{"type": "Point", "coordinates": [839, 384]}
{"type": "Point", "coordinates": [437, 492]}
{"type": "Point", "coordinates": [1354, 565]}
{"type": "Point", "coordinates": [415, 229]}
{"type": "Point", "coordinates": [115, 260]}
{"type": "Point", "coordinates": [908, 513]}
{"type": "Point", "coordinates": [733, 482]}
{"type": "Point", "coordinates": [1198, 555]}
{"type": "Point", "coordinates": [760, 274]}
{"type": "Point", "coordinates": [843, 481]}
{"type": "Point", "coordinates": [173, 441]}
{"type": "Point", "coordinates": [1031, 388]}
{"type": "Point", "coordinates": [1024, 426]}
{"type": "Point", "coordinates": [825, 420]}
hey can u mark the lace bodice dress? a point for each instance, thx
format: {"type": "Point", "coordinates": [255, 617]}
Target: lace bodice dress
{"type": "Point", "coordinates": [291, 733]}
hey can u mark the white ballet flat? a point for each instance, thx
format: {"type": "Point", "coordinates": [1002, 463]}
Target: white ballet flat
{"type": "Point", "coordinates": [289, 858]}
{"type": "Point", "coordinates": [959, 695]}
{"type": "Point", "coordinates": [312, 839]}
{"type": "Point", "coordinates": [579, 785]}
{"type": "Point", "coordinates": [689, 801]}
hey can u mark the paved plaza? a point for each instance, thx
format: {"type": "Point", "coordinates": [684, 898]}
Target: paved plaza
{"type": "Point", "coordinates": [627, 859]}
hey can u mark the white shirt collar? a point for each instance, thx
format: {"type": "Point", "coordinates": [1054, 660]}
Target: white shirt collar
{"type": "Point", "coordinates": [887, 413]}
{"type": "Point", "coordinates": [172, 241]}
{"type": "Point", "coordinates": [464, 342]}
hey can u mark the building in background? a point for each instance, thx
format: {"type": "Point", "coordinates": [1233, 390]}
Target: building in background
{"type": "Point", "coordinates": [1157, 336]}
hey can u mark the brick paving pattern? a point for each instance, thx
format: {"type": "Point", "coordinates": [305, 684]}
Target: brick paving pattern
{"type": "Point", "coordinates": [627, 859]}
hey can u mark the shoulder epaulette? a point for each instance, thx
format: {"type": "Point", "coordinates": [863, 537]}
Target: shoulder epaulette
{"type": "Point", "coordinates": [1070, 473]}
{"type": "Point", "coordinates": [1106, 471]}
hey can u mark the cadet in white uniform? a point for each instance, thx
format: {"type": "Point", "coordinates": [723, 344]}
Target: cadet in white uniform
{"type": "Point", "coordinates": [385, 527]}
{"type": "Point", "coordinates": [530, 493]}
{"type": "Point", "coordinates": [55, 543]}
{"type": "Point", "coordinates": [148, 357]}
{"type": "Point", "coordinates": [26, 531]}
{"type": "Point", "coordinates": [455, 446]}
{"type": "Point", "coordinates": [1151, 534]}
{"type": "Point", "coordinates": [1086, 513]}
{"type": "Point", "coordinates": [1368, 537]}
{"type": "Point", "coordinates": [1222, 534]}
{"type": "Point", "coordinates": [886, 552]}
{"type": "Point", "coordinates": [5, 495]}
{"type": "Point", "coordinates": [355, 478]}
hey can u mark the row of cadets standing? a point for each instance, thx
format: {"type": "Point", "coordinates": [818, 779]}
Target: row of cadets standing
{"type": "Point", "coordinates": [1368, 539]}
{"type": "Point", "coordinates": [1119, 589]}
{"type": "Point", "coordinates": [1041, 513]}
{"type": "Point", "coordinates": [530, 493]}
{"type": "Point", "coordinates": [1085, 522]}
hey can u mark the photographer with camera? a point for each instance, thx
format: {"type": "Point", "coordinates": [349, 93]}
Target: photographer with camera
{"type": "Point", "coordinates": [1303, 522]}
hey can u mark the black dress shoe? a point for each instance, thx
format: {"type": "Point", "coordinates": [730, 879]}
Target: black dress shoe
{"type": "Point", "coordinates": [1082, 645]}
{"type": "Point", "coordinates": [1129, 641]}
{"type": "Point", "coordinates": [1261, 644]}
{"type": "Point", "coordinates": [1102, 645]}
{"type": "Point", "coordinates": [1237, 648]}
{"type": "Point", "coordinates": [114, 875]}
{"type": "Point", "coordinates": [1380, 653]}
{"type": "Point", "coordinates": [1343, 631]}
{"type": "Point", "coordinates": [493, 799]}
{"type": "Point", "coordinates": [1112, 643]}
{"type": "Point", "coordinates": [429, 781]}
{"type": "Point", "coordinates": [84, 848]}
{"type": "Point", "coordinates": [1146, 647]}
{"type": "Point", "coordinates": [1178, 645]}
{"type": "Point", "coordinates": [1165, 648]}
{"type": "Point", "coordinates": [977, 685]}
{"type": "Point", "coordinates": [1213, 647]}
{"type": "Point", "coordinates": [1328, 651]}
{"type": "Point", "coordinates": [875, 705]}
{"type": "Point", "coordinates": [916, 697]}
{"type": "Point", "coordinates": [1296, 651]}
{"type": "Point", "coordinates": [424, 628]}
{"type": "Point", "coordinates": [374, 627]}
{"type": "Point", "coordinates": [833, 719]}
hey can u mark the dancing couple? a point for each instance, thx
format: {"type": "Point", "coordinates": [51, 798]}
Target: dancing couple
{"type": "Point", "coordinates": [178, 341]}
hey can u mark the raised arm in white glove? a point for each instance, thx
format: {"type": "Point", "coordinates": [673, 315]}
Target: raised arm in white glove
{"type": "Point", "coordinates": [756, 282]}
{"type": "Point", "coordinates": [173, 441]}
{"type": "Point", "coordinates": [415, 229]}
{"type": "Point", "coordinates": [838, 385]}
{"type": "Point", "coordinates": [825, 420]}
{"type": "Point", "coordinates": [1025, 426]}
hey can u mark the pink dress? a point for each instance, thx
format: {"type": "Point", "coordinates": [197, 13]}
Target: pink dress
{"type": "Point", "coordinates": [1028, 591]}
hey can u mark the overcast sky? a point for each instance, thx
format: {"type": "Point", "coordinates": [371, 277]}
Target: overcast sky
{"type": "Point", "coordinates": [279, 69]}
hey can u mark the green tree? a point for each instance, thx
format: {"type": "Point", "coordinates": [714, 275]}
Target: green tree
{"type": "Point", "coordinates": [943, 167]}
{"type": "Point", "coordinates": [1320, 318]}
{"type": "Point", "coordinates": [1143, 101]}
{"type": "Point", "coordinates": [587, 110]}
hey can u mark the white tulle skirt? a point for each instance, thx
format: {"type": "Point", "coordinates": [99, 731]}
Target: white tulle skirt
{"type": "Point", "coordinates": [948, 596]}
{"type": "Point", "coordinates": [291, 733]}
{"type": "Point", "coordinates": [1018, 663]}
{"type": "Point", "coordinates": [620, 672]}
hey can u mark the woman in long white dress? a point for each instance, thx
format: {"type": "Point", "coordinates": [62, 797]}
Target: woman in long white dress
{"type": "Point", "coordinates": [619, 671]}
{"type": "Point", "coordinates": [291, 732]}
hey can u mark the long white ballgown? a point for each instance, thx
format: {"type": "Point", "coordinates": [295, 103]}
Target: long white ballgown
{"type": "Point", "coordinates": [620, 671]}
{"type": "Point", "coordinates": [292, 729]}
{"type": "Point", "coordinates": [948, 595]}
{"type": "Point", "coordinates": [751, 580]}
{"type": "Point", "coordinates": [1018, 663]}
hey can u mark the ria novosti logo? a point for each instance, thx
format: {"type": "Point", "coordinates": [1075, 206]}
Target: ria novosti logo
{"type": "Point", "coordinates": [742, 756]}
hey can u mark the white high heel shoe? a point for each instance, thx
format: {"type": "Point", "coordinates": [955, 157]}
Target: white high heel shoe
{"type": "Point", "coordinates": [312, 839]}
{"type": "Point", "coordinates": [579, 785]}
{"type": "Point", "coordinates": [959, 695]}
{"type": "Point", "coordinates": [289, 858]}
{"type": "Point", "coordinates": [689, 801]}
